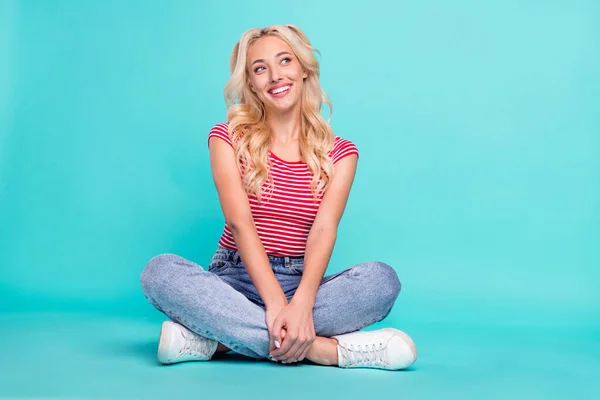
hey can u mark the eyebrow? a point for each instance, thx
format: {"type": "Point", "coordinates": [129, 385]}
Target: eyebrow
{"type": "Point", "coordinates": [277, 55]}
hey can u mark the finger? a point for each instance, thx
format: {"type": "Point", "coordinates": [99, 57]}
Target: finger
{"type": "Point", "coordinates": [272, 348]}
{"type": "Point", "coordinates": [276, 336]}
{"type": "Point", "coordinates": [288, 342]}
{"type": "Point", "coordinates": [305, 353]}
{"type": "Point", "coordinates": [298, 353]}
{"type": "Point", "coordinates": [284, 353]}
{"type": "Point", "coordinates": [271, 345]}
{"type": "Point", "coordinates": [292, 350]}
{"type": "Point", "coordinates": [283, 333]}
{"type": "Point", "coordinates": [303, 350]}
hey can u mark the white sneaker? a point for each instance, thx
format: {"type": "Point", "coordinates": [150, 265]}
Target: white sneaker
{"type": "Point", "coordinates": [178, 344]}
{"type": "Point", "coordinates": [386, 348]}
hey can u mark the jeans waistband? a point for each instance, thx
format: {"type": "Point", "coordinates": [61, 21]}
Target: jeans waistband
{"type": "Point", "coordinates": [272, 258]}
{"type": "Point", "coordinates": [236, 257]}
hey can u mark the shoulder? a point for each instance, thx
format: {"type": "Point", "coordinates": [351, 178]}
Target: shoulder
{"type": "Point", "coordinates": [343, 148]}
{"type": "Point", "coordinates": [220, 130]}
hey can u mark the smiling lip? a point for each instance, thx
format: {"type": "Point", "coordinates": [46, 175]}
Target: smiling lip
{"type": "Point", "coordinates": [280, 94]}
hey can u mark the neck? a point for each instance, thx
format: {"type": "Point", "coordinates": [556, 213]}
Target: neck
{"type": "Point", "coordinates": [285, 127]}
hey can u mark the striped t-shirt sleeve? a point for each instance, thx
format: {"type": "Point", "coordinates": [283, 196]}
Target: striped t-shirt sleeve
{"type": "Point", "coordinates": [343, 148]}
{"type": "Point", "coordinates": [220, 131]}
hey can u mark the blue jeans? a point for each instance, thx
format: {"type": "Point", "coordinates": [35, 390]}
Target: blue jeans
{"type": "Point", "coordinates": [223, 304]}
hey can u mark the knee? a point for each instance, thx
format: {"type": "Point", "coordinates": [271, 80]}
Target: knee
{"type": "Point", "coordinates": [385, 282]}
{"type": "Point", "coordinates": [155, 273]}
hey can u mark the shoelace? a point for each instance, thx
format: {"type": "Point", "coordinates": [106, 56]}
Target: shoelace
{"type": "Point", "coordinates": [367, 354]}
{"type": "Point", "coordinates": [194, 345]}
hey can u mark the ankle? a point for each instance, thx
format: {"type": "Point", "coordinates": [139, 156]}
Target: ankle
{"type": "Point", "coordinates": [323, 351]}
{"type": "Point", "coordinates": [221, 348]}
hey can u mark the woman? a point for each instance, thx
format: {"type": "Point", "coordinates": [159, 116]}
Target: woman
{"type": "Point", "coordinates": [283, 180]}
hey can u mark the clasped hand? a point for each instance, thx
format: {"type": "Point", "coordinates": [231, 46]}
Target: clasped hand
{"type": "Point", "coordinates": [291, 331]}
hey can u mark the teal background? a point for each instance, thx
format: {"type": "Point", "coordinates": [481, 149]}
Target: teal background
{"type": "Point", "coordinates": [478, 127]}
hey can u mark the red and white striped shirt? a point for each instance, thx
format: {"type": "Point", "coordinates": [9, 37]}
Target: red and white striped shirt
{"type": "Point", "coordinates": [288, 210]}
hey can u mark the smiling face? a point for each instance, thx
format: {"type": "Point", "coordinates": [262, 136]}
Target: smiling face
{"type": "Point", "coordinates": [275, 74]}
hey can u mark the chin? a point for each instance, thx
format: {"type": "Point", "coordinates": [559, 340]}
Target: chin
{"type": "Point", "coordinates": [282, 108]}
{"type": "Point", "coordinates": [285, 108]}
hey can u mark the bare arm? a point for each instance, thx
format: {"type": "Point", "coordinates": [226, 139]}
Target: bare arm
{"type": "Point", "coordinates": [323, 233]}
{"type": "Point", "coordinates": [238, 217]}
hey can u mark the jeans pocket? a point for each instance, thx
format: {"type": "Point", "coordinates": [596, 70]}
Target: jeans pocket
{"type": "Point", "coordinates": [220, 261]}
{"type": "Point", "coordinates": [217, 265]}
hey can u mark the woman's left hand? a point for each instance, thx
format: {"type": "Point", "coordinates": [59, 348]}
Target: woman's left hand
{"type": "Point", "coordinates": [297, 320]}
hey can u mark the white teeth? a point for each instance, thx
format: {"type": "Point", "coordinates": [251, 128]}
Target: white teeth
{"type": "Point", "coordinates": [281, 89]}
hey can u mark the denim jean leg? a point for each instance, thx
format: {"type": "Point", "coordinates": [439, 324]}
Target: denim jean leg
{"type": "Point", "coordinates": [355, 298]}
{"type": "Point", "coordinates": [205, 304]}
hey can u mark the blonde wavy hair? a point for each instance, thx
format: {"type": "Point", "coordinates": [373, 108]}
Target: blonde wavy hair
{"type": "Point", "coordinates": [247, 115]}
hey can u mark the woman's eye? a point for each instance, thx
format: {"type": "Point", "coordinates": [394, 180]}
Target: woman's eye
{"type": "Point", "coordinates": [257, 69]}
{"type": "Point", "coordinates": [287, 60]}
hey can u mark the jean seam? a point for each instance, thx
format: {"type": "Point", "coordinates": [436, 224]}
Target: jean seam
{"type": "Point", "coordinates": [294, 270]}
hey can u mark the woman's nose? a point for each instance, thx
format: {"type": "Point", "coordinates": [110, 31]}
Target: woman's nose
{"type": "Point", "coordinates": [275, 75]}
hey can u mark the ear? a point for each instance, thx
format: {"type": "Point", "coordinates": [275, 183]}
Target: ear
{"type": "Point", "coordinates": [304, 74]}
